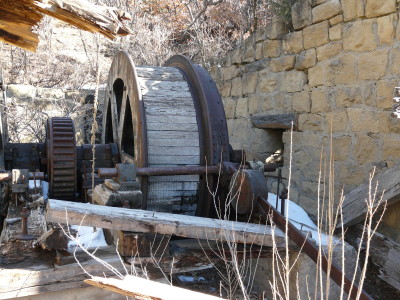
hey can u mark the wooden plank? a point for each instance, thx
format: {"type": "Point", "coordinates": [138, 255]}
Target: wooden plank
{"type": "Point", "coordinates": [140, 288]}
{"type": "Point", "coordinates": [173, 142]}
{"type": "Point", "coordinates": [179, 89]}
{"type": "Point", "coordinates": [177, 128]}
{"type": "Point", "coordinates": [25, 281]}
{"type": "Point", "coordinates": [173, 160]}
{"type": "Point", "coordinates": [164, 119]}
{"type": "Point", "coordinates": [354, 205]}
{"type": "Point", "coordinates": [159, 73]}
{"type": "Point", "coordinates": [276, 121]}
{"type": "Point", "coordinates": [168, 150]}
{"type": "Point", "coordinates": [169, 110]}
{"type": "Point", "coordinates": [160, 134]}
{"type": "Point", "coordinates": [162, 223]}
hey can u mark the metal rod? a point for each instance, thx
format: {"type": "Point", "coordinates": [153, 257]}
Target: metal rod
{"type": "Point", "coordinates": [162, 171]}
{"type": "Point", "coordinates": [312, 251]}
{"type": "Point", "coordinates": [32, 175]}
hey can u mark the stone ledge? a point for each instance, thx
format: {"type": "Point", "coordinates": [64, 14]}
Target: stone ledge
{"type": "Point", "coordinates": [278, 121]}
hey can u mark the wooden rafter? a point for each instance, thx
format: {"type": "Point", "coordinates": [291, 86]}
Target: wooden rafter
{"type": "Point", "coordinates": [17, 19]}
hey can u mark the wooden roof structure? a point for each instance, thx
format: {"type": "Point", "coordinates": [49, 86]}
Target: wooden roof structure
{"type": "Point", "coordinates": [18, 17]}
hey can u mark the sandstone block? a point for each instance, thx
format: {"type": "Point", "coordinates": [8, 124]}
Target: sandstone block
{"type": "Point", "coordinates": [293, 42]}
{"type": "Point", "coordinates": [311, 122]}
{"type": "Point", "coordinates": [345, 96]}
{"type": "Point", "coordinates": [272, 48]}
{"type": "Point", "coordinates": [276, 29]}
{"type": "Point", "coordinates": [283, 101]}
{"type": "Point", "coordinates": [335, 32]}
{"type": "Point", "coordinates": [342, 70]}
{"type": "Point", "coordinates": [225, 88]}
{"type": "Point", "coordinates": [237, 90]}
{"type": "Point", "coordinates": [386, 29]}
{"type": "Point", "coordinates": [293, 81]}
{"type": "Point", "coordinates": [335, 20]}
{"type": "Point", "coordinates": [306, 59]}
{"type": "Point", "coordinates": [372, 65]}
{"type": "Point", "coordinates": [341, 147]}
{"type": "Point", "coordinates": [319, 101]}
{"type": "Point", "coordinates": [337, 121]}
{"type": "Point", "coordinates": [22, 91]}
{"type": "Point", "coordinates": [259, 53]}
{"type": "Point", "coordinates": [236, 56]}
{"type": "Point", "coordinates": [326, 11]}
{"type": "Point", "coordinates": [302, 102]}
{"type": "Point", "coordinates": [229, 107]}
{"type": "Point", "coordinates": [384, 93]}
{"type": "Point", "coordinates": [254, 103]}
{"type": "Point", "coordinates": [359, 36]}
{"type": "Point", "coordinates": [353, 9]}
{"type": "Point", "coordinates": [394, 67]}
{"type": "Point", "coordinates": [385, 121]}
{"type": "Point", "coordinates": [376, 8]}
{"type": "Point", "coordinates": [365, 149]}
{"type": "Point", "coordinates": [329, 50]}
{"type": "Point", "coordinates": [269, 102]}
{"type": "Point", "coordinates": [242, 108]}
{"type": "Point", "coordinates": [301, 14]}
{"type": "Point", "coordinates": [316, 75]}
{"type": "Point", "coordinates": [283, 63]}
{"type": "Point", "coordinates": [310, 139]}
{"type": "Point", "coordinates": [228, 73]}
{"type": "Point", "coordinates": [248, 55]}
{"type": "Point", "coordinates": [391, 146]}
{"type": "Point", "coordinates": [361, 120]}
{"type": "Point", "coordinates": [316, 35]}
{"type": "Point", "coordinates": [266, 84]}
{"type": "Point", "coordinates": [249, 83]}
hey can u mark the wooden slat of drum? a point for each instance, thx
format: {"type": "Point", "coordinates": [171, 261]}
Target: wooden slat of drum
{"type": "Point", "coordinates": [168, 150]}
{"type": "Point", "coordinates": [168, 110]}
{"type": "Point", "coordinates": [182, 135]}
{"type": "Point", "coordinates": [177, 143]}
{"type": "Point", "coordinates": [169, 99]}
{"type": "Point", "coordinates": [159, 73]}
{"type": "Point", "coordinates": [161, 118]}
{"type": "Point", "coordinates": [159, 88]}
{"type": "Point", "coordinates": [173, 159]}
{"type": "Point", "coordinates": [171, 127]}
{"type": "Point", "coordinates": [176, 178]}
{"type": "Point", "coordinates": [173, 186]}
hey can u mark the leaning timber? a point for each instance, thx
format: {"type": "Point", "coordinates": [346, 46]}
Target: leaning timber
{"type": "Point", "coordinates": [162, 223]}
{"type": "Point", "coordinates": [355, 203]}
{"type": "Point", "coordinates": [18, 17]}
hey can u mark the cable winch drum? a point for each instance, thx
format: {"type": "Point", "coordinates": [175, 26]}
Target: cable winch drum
{"type": "Point", "coordinates": [167, 116]}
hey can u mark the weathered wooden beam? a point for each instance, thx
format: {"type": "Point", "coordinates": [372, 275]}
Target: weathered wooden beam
{"type": "Point", "coordinates": [140, 288]}
{"type": "Point", "coordinates": [161, 223]}
{"type": "Point", "coordinates": [18, 17]}
{"type": "Point", "coordinates": [276, 121]}
{"type": "Point", "coordinates": [355, 202]}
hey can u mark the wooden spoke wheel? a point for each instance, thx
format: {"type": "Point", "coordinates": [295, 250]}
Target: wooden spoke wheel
{"type": "Point", "coordinates": [167, 116]}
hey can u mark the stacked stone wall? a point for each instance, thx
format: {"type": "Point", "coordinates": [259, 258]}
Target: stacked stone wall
{"type": "Point", "coordinates": [336, 71]}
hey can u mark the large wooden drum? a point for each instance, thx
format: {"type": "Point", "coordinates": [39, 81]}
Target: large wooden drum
{"type": "Point", "coordinates": [167, 116]}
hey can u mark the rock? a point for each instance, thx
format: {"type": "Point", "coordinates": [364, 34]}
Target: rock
{"type": "Point", "coordinates": [306, 59]}
{"type": "Point", "coordinates": [359, 36]}
{"type": "Point", "coordinates": [21, 91]}
{"type": "Point", "coordinates": [272, 48]}
{"type": "Point", "coordinates": [386, 29]}
{"type": "Point", "coordinates": [50, 93]}
{"type": "Point", "coordinates": [326, 10]}
{"type": "Point", "coordinates": [282, 63]}
{"type": "Point", "coordinates": [376, 8]}
{"type": "Point", "coordinates": [293, 42]}
{"type": "Point", "coordinates": [372, 65]}
{"type": "Point", "coordinates": [316, 35]}
{"type": "Point", "coordinates": [329, 50]}
{"type": "Point", "coordinates": [353, 9]}
{"type": "Point", "coordinates": [301, 14]}
{"type": "Point", "coordinates": [294, 81]}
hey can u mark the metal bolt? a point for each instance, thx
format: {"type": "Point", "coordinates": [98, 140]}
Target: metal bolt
{"type": "Point", "coordinates": [24, 221]}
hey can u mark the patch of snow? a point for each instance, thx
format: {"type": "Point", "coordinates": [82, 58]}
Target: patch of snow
{"type": "Point", "coordinates": [88, 237]}
{"type": "Point", "coordinates": [300, 219]}
{"type": "Point", "coordinates": [45, 190]}
{"type": "Point", "coordinates": [32, 184]}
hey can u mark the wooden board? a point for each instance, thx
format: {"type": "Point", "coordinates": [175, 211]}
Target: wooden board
{"type": "Point", "coordinates": [41, 278]}
{"type": "Point", "coordinates": [162, 223]}
{"type": "Point", "coordinates": [354, 205]}
{"type": "Point", "coordinates": [17, 19]}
